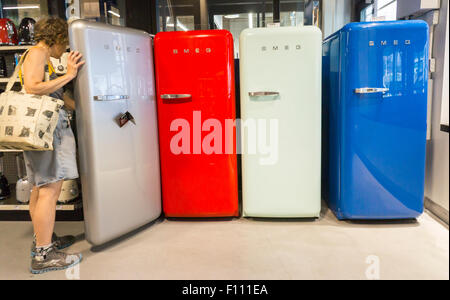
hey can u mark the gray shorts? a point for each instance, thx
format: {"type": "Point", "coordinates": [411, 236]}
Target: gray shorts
{"type": "Point", "coordinates": [45, 167]}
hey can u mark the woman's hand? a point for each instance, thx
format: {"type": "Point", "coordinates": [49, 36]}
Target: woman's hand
{"type": "Point", "coordinates": [74, 63]}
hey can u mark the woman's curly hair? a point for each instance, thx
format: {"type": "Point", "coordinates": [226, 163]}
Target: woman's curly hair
{"type": "Point", "coordinates": [51, 31]}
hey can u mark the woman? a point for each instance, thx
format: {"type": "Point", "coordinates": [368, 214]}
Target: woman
{"type": "Point", "coordinates": [47, 170]}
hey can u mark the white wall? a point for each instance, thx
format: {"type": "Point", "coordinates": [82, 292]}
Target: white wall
{"type": "Point", "coordinates": [335, 15]}
{"type": "Point", "coordinates": [437, 176]}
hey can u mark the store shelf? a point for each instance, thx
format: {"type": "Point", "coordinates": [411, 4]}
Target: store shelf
{"type": "Point", "coordinates": [11, 151]}
{"type": "Point", "coordinates": [11, 210]}
{"type": "Point", "coordinates": [14, 48]}
{"type": "Point", "coordinates": [6, 80]}
{"type": "Point", "coordinates": [8, 51]}
{"type": "Point", "coordinates": [11, 204]}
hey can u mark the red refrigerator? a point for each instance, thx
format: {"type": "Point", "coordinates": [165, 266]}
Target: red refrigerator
{"type": "Point", "coordinates": [197, 110]}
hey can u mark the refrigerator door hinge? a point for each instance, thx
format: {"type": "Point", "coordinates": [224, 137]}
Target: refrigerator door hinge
{"type": "Point", "coordinates": [436, 17]}
{"type": "Point", "coordinates": [432, 65]}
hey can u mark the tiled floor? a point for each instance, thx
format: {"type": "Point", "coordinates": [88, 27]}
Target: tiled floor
{"type": "Point", "coordinates": [249, 249]}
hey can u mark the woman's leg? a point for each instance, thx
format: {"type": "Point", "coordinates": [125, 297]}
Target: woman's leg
{"type": "Point", "coordinates": [47, 257]}
{"type": "Point", "coordinates": [33, 200]}
{"type": "Point", "coordinates": [45, 213]}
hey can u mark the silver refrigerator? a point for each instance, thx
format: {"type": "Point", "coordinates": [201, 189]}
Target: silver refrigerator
{"type": "Point", "coordinates": [117, 129]}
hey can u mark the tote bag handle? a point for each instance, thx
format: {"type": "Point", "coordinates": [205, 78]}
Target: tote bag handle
{"type": "Point", "coordinates": [13, 78]}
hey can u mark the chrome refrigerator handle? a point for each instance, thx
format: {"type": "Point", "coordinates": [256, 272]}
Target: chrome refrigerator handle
{"type": "Point", "coordinates": [111, 97]}
{"type": "Point", "coordinates": [263, 94]}
{"type": "Point", "coordinates": [176, 96]}
{"type": "Point", "coordinates": [371, 90]}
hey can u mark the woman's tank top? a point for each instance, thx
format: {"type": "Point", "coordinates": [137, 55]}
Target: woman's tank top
{"type": "Point", "coordinates": [51, 75]}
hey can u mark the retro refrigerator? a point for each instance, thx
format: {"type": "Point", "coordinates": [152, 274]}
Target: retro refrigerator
{"type": "Point", "coordinates": [119, 166]}
{"type": "Point", "coordinates": [375, 79]}
{"type": "Point", "coordinates": [281, 113]}
{"type": "Point", "coordinates": [196, 113]}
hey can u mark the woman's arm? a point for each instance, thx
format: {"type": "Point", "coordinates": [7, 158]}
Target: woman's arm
{"type": "Point", "coordinates": [34, 72]}
{"type": "Point", "coordinates": [69, 102]}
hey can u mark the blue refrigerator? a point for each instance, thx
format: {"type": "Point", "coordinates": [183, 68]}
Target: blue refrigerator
{"type": "Point", "coordinates": [375, 86]}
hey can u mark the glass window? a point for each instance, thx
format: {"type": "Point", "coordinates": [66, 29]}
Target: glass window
{"type": "Point", "coordinates": [186, 23]}
{"type": "Point", "coordinates": [381, 10]}
{"type": "Point", "coordinates": [383, 3]}
{"type": "Point", "coordinates": [114, 16]}
{"type": "Point", "coordinates": [183, 23]}
{"type": "Point", "coordinates": [232, 15]}
{"type": "Point", "coordinates": [367, 14]}
{"type": "Point", "coordinates": [292, 18]}
{"type": "Point", "coordinates": [387, 10]}
{"type": "Point", "coordinates": [91, 9]}
{"type": "Point", "coordinates": [170, 24]}
{"type": "Point", "coordinates": [236, 23]}
{"type": "Point", "coordinates": [178, 15]}
{"type": "Point", "coordinates": [107, 11]}
{"type": "Point", "coordinates": [16, 10]}
{"type": "Point", "coordinates": [292, 13]}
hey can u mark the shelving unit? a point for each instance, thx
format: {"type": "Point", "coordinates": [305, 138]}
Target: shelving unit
{"type": "Point", "coordinates": [11, 204]}
{"type": "Point", "coordinates": [14, 48]}
{"type": "Point", "coordinates": [6, 80]}
{"type": "Point", "coordinates": [9, 51]}
{"type": "Point", "coordinates": [12, 210]}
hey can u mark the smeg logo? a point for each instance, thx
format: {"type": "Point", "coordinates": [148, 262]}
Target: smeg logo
{"type": "Point", "coordinates": [195, 51]}
{"type": "Point", "coordinates": [119, 48]}
{"type": "Point", "coordinates": [387, 43]}
{"type": "Point", "coordinates": [277, 48]}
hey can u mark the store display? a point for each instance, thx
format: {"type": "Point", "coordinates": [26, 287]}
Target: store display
{"type": "Point", "coordinates": [8, 33]}
{"type": "Point", "coordinates": [69, 191]}
{"type": "Point", "coordinates": [196, 90]}
{"type": "Point", "coordinates": [3, 69]}
{"type": "Point", "coordinates": [375, 104]}
{"type": "Point", "coordinates": [5, 190]}
{"type": "Point", "coordinates": [281, 86]}
{"type": "Point", "coordinates": [23, 185]}
{"type": "Point", "coordinates": [26, 31]}
{"type": "Point", "coordinates": [119, 166]}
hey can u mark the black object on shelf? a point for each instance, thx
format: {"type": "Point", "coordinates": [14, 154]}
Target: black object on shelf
{"type": "Point", "coordinates": [26, 31]}
{"type": "Point", "coordinates": [5, 190]}
{"type": "Point", "coordinates": [3, 69]}
{"type": "Point", "coordinates": [444, 128]}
